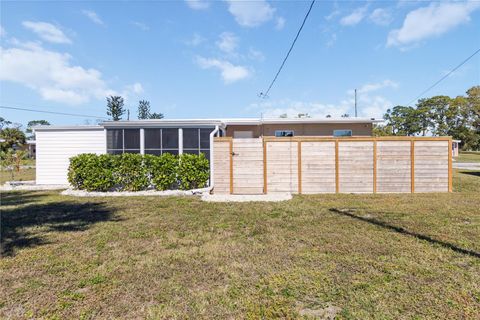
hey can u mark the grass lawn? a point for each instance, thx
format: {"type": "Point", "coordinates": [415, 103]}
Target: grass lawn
{"type": "Point", "coordinates": [23, 175]}
{"type": "Point", "coordinates": [357, 256]}
{"type": "Point", "coordinates": [468, 156]}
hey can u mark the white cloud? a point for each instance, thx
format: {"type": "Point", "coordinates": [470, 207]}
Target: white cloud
{"type": "Point", "coordinates": [332, 14]}
{"type": "Point", "coordinates": [228, 42]}
{"type": "Point", "coordinates": [370, 104]}
{"type": "Point", "coordinates": [255, 55]}
{"type": "Point", "coordinates": [196, 40]}
{"type": "Point", "coordinates": [47, 31]}
{"type": "Point", "coordinates": [381, 17]}
{"type": "Point", "coordinates": [280, 23]}
{"type": "Point", "coordinates": [370, 87]}
{"type": "Point", "coordinates": [251, 13]}
{"type": "Point", "coordinates": [141, 25]}
{"type": "Point", "coordinates": [230, 73]}
{"type": "Point", "coordinates": [198, 4]}
{"type": "Point", "coordinates": [51, 74]}
{"type": "Point", "coordinates": [136, 88]}
{"type": "Point", "coordinates": [355, 17]}
{"type": "Point", "coordinates": [431, 21]}
{"type": "Point", "coordinates": [92, 15]}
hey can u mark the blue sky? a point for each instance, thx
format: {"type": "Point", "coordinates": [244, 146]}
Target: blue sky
{"type": "Point", "coordinates": [211, 58]}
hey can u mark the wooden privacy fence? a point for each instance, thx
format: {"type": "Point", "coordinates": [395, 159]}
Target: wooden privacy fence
{"type": "Point", "coordinates": [312, 165]}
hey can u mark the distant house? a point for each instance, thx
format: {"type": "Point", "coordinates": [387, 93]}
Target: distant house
{"type": "Point", "coordinates": [56, 144]}
{"type": "Point", "coordinates": [30, 146]}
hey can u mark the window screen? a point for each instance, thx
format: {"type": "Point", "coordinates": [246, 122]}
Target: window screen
{"type": "Point", "coordinates": [115, 139]}
{"type": "Point", "coordinates": [196, 141]}
{"type": "Point", "coordinates": [123, 140]}
{"type": "Point", "coordinates": [131, 139]}
{"type": "Point", "coordinates": [153, 139]}
{"type": "Point", "coordinates": [191, 138]}
{"type": "Point", "coordinates": [170, 138]}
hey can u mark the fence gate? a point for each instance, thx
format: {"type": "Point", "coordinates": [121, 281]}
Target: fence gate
{"type": "Point", "coordinates": [247, 165]}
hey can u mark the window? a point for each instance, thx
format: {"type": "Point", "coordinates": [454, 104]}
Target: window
{"type": "Point", "coordinates": [342, 133]}
{"type": "Point", "coordinates": [123, 141]}
{"type": "Point", "coordinates": [196, 141]}
{"type": "Point", "coordinates": [284, 133]}
{"type": "Point", "coordinates": [158, 141]}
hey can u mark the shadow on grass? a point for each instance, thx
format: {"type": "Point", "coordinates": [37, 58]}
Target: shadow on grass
{"type": "Point", "coordinates": [351, 214]}
{"type": "Point", "coordinates": [15, 198]}
{"type": "Point", "coordinates": [472, 173]}
{"type": "Point", "coordinates": [27, 226]}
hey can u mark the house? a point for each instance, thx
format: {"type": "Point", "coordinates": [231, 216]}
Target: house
{"type": "Point", "coordinates": [29, 146]}
{"type": "Point", "coordinates": [56, 144]}
{"type": "Point", "coordinates": [455, 147]}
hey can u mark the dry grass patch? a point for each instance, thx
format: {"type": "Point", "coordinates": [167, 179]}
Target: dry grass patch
{"type": "Point", "coordinates": [391, 256]}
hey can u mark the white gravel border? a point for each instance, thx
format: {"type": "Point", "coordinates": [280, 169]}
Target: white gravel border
{"type": "Point", "coordinates": [271, 197]}
{"type": "Point", "coordinates": [166, 193]}
{"type": "Point", "coordinates": [30, 186]}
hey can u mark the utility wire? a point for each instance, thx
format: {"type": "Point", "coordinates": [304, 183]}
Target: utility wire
{"type": "Point", "coordinates": [445, 76]}
{"type": "Point", "coordinates": [264, 95]}
{"type": "Point", "coordinates": [52, 112]}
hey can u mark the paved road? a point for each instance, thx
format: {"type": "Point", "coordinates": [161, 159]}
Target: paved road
{"type": "Point", "coordinates": [466, 165]}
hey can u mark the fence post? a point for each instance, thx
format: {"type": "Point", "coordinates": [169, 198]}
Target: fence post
{"type": "Point", "coordinates": [412, 165]}
{"type": "Point", "coordinates": [337, 187]}
{"type": "Point", "coordinates": [264, 166]}
{"type": "Point", "coordinates": [299, 158]}
{"type": "Point", "coordinates": [231, 165]}
{"type": "Point", "coordinates": [450, 187]}
{"type": "Point", "coordinates": [375, 165]}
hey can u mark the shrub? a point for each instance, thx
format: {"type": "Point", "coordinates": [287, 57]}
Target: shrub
{"type": "Point", "coordinates": [92, 172]}
{"type": "Point", "coordinates": [193, 171]}
{"type": "Point", "coordinates": [135, 172]}
{"type": "Point", "coordinates": [163, 170]}
{"type": "Point", "coordinates": [131, 172]}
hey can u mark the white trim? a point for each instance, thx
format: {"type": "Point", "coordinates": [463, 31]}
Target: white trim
{"type": "Point", "coordinates": [180, 141]}
{"type": "Point", "coordinates": [142, 141]}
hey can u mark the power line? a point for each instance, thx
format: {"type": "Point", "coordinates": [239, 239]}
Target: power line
{"type": "Point", "coordinates": [445, 76]}
{"type": "Point", "coordinates": [52, 112]}
{"type": "Point", "coordinates": [264, 95]}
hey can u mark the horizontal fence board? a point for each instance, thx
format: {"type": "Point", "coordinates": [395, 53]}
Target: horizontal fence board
{"type": "Point", "coordinates": [359, 162]}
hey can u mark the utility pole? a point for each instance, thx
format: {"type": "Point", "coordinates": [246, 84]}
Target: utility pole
{"type": "Point", "coordinates": [355, 103]}
{"type": "Point", "coordinates": [128, 114]}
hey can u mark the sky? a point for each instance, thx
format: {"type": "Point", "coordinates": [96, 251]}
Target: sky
{"type": "Point", "coordinates": [211, 59]}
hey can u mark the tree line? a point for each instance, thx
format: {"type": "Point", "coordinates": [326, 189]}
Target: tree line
{"type": "Point", "coordinates": [458, 117]}
{"type": "Point", "coordinates": [116, 109]}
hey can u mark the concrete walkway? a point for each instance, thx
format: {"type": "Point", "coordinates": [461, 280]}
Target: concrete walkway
{"type": "Point", "coordinates": [466, 165]}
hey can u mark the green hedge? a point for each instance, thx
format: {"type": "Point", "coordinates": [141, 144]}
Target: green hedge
{"type": "Point", "coordinates": [135, 172]}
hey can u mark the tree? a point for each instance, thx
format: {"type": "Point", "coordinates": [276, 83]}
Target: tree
{"type": "Point", "coordinates": [156, 116]}
{"type": "Point", "coordinates": [402, 121]}
{"type": "Point", "coordinates": [32, 123]}
{"type": "Point", "coordinates": [4, 123]}
{"type": "Point", "coordinates": [345, 115]}
{"type": "Point", "coordinates": [115, 107]}
{"type": "Point", "coordinates": [11, 160]}
{"type": "Point", "coordinates": [12, 137]}
{"type": "Point", "coordinates": [143, 109]}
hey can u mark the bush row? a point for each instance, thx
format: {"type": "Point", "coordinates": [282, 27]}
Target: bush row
{"type": "Point", "coordinates": [135, 172]}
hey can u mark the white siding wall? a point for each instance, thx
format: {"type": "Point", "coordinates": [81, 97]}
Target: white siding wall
{"type": "Point", "coordinates": [54, 149]}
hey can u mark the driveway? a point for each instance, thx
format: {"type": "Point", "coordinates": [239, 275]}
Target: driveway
{"type": "Point", "coordinates": [466, 165]}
